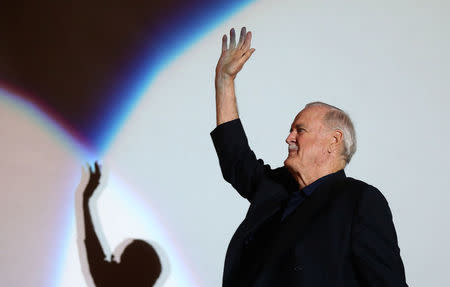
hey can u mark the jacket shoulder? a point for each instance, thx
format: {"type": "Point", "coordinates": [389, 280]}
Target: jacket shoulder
{"type": "Point", "coordinates": [362, 187]}
{"type": "Point", "coordinates": [367, 196]}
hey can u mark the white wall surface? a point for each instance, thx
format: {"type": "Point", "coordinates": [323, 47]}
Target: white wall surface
{"type": "Point", "coordinates": [387, 63]}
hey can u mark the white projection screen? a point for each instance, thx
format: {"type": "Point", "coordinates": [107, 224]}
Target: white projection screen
{"type": "Point", "coordinates": [387, 63]}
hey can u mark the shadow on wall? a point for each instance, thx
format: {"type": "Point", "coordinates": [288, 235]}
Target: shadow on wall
{"type": "Point", "coordinates": [138, 264]}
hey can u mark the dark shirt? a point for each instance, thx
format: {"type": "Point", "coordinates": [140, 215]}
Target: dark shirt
{"type": "Point", "coordinates": [296, 198]}
{"type": "Point", "coordinates": [258, 245]}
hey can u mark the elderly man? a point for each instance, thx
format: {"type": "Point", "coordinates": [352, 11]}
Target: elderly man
{"type": "Point", "coordinates": [308, 224]}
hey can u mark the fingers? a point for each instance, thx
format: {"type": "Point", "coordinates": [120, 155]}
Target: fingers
{"type": "Point", "coordinates": [246, 56]}
{"type": "Point", "coordinates": [94, 172]}
{"type": "Point", "coordinates": [232, 38]}
{"type": "Point", "coordinates": [247, 42]}
{"type": "Point", "coordinates": [97, 168]}
{"type": "Point", "coordinates": [224, 43]}
{"type": "Point", "coordinates": [245, 39]}
{"type": "Point", "coordinates": [242, 37]}
{"type": "Point", "coordinates": [233, 58]}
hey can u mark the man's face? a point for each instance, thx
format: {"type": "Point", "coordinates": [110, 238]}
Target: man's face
{"type": "Point", "coordinates": [308, 141]}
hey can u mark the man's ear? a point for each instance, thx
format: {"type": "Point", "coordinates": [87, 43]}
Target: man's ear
{"type": "Point", "coordinates": [335, 141]}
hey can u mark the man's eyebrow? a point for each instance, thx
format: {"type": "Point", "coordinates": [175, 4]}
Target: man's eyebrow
{"type": "Point", "coordinates": [298, 126]}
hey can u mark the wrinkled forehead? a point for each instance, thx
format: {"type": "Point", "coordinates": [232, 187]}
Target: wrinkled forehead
{"type": "Point", "coordinates": [310, 115]}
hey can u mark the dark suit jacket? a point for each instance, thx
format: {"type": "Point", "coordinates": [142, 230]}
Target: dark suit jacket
{"type": "Point", "coordinates": [342, 235]}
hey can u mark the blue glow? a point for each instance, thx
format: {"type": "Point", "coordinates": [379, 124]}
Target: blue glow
{"type": "Point", "coordinates": [186, 36]}
{"type": "Point", "coordinates": [143, 78]}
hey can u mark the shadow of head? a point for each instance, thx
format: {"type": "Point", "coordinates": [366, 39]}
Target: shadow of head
{"type": "Point", "coordinates": [140, 264]}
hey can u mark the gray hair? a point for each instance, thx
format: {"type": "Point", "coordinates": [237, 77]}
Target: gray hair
{"type": "Point", "coordinates": [337, 119]}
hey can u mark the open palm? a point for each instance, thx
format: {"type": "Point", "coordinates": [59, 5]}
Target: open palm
{"type": "Point", "coordinates": [234, 56]}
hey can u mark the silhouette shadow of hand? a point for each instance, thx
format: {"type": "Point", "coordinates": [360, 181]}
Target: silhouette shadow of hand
{"type": "Point", "coordinates": [139, 263]}
{"type": "Point", "coordinates": [94, 181]}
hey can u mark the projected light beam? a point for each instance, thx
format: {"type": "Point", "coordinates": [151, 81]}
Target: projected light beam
{"type": "Point", "coordinates": [177, 38]}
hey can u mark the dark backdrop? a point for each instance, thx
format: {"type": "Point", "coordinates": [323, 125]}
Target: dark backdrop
{"type": "Point", "coordinates": [80, 61]}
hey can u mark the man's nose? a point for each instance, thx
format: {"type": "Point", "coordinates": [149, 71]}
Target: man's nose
{"type": "Point", "coordinates": [290, 138]}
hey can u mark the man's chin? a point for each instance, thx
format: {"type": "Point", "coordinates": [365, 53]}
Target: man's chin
{"type": "Point", "coordinates": [291, 164]}
{"type": "Point", "coordinates": [288, 162]}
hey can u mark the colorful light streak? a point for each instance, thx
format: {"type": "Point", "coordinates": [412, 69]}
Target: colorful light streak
{"type": "Point", "coordinates": [186, 35]}
{"type": "Point", "coordinates": [141, 82]}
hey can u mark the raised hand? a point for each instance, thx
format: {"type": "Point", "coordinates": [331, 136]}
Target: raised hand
{"type": "Point", "coordinates": [94, 180]}
{"type": "Point", "coordinates": [234, 56]}
{"type": "Point", "coordinates": [231, 61]}
{"type": "Point", "coordinates": [94, 250]}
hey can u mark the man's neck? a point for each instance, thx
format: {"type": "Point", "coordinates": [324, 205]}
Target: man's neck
{"type": "Point", "coordinates": [304, 178]}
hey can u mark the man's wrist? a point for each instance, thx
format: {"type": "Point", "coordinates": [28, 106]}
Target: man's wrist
{"type": "Point", "coordinates": [223, 79]}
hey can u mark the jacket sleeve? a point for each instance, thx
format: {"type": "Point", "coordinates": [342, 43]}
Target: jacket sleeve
{"type": "Point", "coordinates": [237, 161]}
{"type": "Point", "coordinates": [375, 249]}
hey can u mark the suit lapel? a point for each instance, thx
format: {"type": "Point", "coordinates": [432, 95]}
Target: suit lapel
{"type": "Point", "coordinates": [295, 226]}
{"type": "Point", "coordinates": [269, 209]}
{"type": "Point", "coordinates": [281, 183]}
{"type": "Point", "coordinates": [253, 221]}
